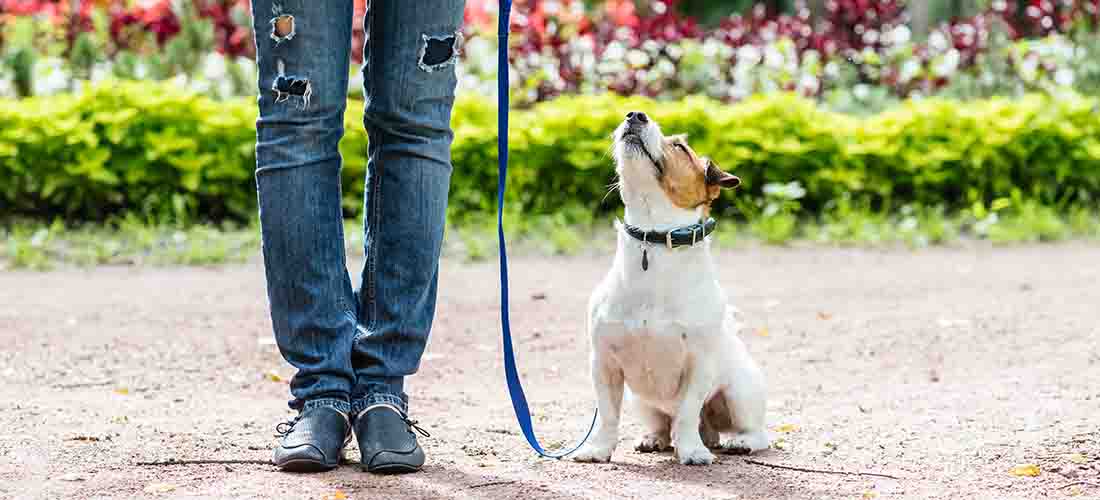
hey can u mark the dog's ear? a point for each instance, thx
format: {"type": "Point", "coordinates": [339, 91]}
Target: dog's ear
{"type": "Point", "coordinates": [716, 177]}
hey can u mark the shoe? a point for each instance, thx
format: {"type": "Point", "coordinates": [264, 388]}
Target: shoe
{"type": "Point", "coordinates": [387, 442]}
{"type": "Point", "coordinates": [314, 441]}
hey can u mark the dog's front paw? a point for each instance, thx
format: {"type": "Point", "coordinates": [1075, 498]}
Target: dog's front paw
{"type": "Point", "coordinates": [653, 443]}
{"type": "Point", "coordinates": [592, 454]}
{"type": "Point", "coordinates": [695, 456]}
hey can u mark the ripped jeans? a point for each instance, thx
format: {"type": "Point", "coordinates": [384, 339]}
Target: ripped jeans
{"type": "Point", "coordinates": [353, 347]}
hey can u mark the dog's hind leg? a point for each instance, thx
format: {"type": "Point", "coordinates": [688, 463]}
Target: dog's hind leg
{"type": "Point", "coordinates": [657, 426]}
{"type": "Point", "coordinates": [711, 437]}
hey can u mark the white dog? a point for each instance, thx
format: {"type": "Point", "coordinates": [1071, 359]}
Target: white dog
{"type": "Point", "coordinates": [659, 322]}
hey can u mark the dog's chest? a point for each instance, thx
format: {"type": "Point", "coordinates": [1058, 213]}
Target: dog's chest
{"type": "Point", "coordinates": [653, 360]}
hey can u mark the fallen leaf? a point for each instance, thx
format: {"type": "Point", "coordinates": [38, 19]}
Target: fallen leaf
{"type": "Point", "coordinates": [122, 391]}
{"type": "Point", "coordinates": [159, 487]}
{"type": "Point", "coordinates": [780, 444]}
{"type": "Point", "coordinates": [72, 476]}
{"type": "Point", "coordinates": [824, 315]}
{"type": "Point", "coordinates": [1074, 491]}
{"type": "Point", "coordinates": [763, 332]}
{"type": "Point", "coordinates": [272, 376]}
{"type": "Point", "coordinates": [1076, 458]}
{"type": "Point", "coordinates": [786, 428]}
{"type": "Point", "coordinates": [336, 495]}
{"type": "Point", "coordinates": [1029, 470]}
{"type": "Point", "coordinates": [869, 494]}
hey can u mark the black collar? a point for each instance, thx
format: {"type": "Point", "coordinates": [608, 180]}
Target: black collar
{"type": "Point", "coordinates": [679, 237]}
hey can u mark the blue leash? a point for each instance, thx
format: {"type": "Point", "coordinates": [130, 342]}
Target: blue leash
{"type": "Point", "coordinates": [515, 388]}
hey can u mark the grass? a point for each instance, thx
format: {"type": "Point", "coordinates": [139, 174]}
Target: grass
{"type": "Point", "coordinates": [38, 246]}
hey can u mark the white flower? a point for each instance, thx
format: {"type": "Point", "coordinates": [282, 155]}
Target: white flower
{"type": "Point", "coordinates": [748, 54]}
{"type": "Point", "coordinates": [947, 64]}
{"type": "Point", "coordinates": [1029, 69]}
{"type": "Point", "coordinates": [50, 76]}
{"type": "Point", "coordinates": [773, 58]}
{"type": "Point", "coordinates": [1064, 77]}
{"type": "Point", "coordinates": [909, 70]}
{"type": "Point", "coordinates": [870, 37]}
{"type": "Point", "coordinates": [614, 50]}
{"type": "Point", "coordinates": [637, 58]}
{"type": "Point", "coordinates": [808, 84]}
{"type": "Point", "coordinates": [791, 190]}
{"type": "Point", "coordinates": [900, 35]}
{"type": "Point", "coordinates": [213, 67]}
{"type": "Point", "coordinates": [937, 41]}
{"type": "Point", "coordinates": [861, 91]}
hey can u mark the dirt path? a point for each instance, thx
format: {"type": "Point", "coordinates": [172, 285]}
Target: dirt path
{"type": "Point", "coordinates": [944, 367]}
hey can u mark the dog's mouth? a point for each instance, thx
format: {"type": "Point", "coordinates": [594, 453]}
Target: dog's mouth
{"type": "Point", "coordinates": [634, 140]}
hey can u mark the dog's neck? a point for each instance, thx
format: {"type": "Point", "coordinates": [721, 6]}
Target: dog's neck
{"type": "Point", "coordinates": [647, 205]}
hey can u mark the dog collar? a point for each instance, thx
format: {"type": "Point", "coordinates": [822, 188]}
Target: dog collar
{"type": "Point", "coordinates": [679, 237]}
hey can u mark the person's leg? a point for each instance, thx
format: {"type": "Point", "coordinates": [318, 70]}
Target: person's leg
{"type": "Point", "coordinates": [409, 82]}
{"type": "Point", "coordinates": [303, 49]}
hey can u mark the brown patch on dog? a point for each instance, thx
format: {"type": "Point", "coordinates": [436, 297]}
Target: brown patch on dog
{"type": "Point", "coordinates": [689, 180]}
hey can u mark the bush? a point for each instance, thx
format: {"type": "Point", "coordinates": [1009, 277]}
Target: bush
{"type": "Point", "coordinates": [146, 149]}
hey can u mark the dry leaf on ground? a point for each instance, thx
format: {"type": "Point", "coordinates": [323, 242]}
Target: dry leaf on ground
{"type": "Point", "coordinates": [1076, 458]}
{"type": "Point", "coordinates": [159, 487]}
{"type": "Point", "coordinates": [274, 377]}
{"type": "Point", "coordinates": [786, 428]}
{"type": "Point", "coordinates": [1028, 470]}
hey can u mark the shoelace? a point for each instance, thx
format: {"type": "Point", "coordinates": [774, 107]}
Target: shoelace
{"type": "Point", "coordinates": [413, 425]}
{"type": "Point", "coordinates": [284, 428]}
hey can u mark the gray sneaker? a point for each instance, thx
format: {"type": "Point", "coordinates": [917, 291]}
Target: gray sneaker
{"type": "Point", "coordinates": [314, 441]}
{"type": "Point", "coordinates": [387, 441]}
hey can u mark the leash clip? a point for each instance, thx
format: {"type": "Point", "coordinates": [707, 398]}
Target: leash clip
{"type": "Point", "coordinates": [668, 240]}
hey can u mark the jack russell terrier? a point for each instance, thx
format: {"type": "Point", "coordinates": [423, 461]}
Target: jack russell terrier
{"type": "Point", "coordinates": [659, 322]}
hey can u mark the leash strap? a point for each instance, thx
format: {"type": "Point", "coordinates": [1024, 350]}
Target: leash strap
{"type": "Point", "coordinates": [515, 388]}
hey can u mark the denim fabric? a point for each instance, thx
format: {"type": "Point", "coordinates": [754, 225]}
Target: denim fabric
{"type": "Point", "coordinates": [347, 344]}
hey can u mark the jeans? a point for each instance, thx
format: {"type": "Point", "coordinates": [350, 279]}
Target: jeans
{"type": "Point", "coordinates": [353, 348]}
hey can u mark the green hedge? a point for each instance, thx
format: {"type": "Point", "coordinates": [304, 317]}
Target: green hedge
{"type": "Point", "coordinates": [146, 148]}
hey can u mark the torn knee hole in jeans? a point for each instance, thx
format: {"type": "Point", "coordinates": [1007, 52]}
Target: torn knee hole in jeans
{"type": "Point", "coordinates": [285, 86]}
{"type": "Point", "coordinates": [439, 51]}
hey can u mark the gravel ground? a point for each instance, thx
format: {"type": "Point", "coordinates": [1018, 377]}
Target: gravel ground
{"type": "Point", "coordinates": [945, 368]}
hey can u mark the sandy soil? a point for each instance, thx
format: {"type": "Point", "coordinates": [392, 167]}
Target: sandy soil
{"type": "Point", "coordinates": [944, 368]}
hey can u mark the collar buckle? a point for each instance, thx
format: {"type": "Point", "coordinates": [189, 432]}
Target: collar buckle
{"type": "Point", "coordinates": [668, 240]}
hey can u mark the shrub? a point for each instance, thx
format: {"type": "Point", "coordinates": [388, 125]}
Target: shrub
{"type": "Point", "coordinates": [147, 149]}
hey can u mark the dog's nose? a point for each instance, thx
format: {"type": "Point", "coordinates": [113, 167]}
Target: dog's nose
{"type": "Point", "coordinates": [637, 117]}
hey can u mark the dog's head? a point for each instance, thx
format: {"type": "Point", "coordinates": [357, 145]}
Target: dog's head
{"type": "Point", "coordinates": [646, 156]}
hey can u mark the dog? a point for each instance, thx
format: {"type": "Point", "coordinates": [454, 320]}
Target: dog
{"type": "Point", "coordinates": [659, 322]}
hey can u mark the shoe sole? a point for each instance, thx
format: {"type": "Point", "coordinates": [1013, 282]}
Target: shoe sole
{"type": "Point", "coordinates": [306, 466]}
{"type": "Point", "coordinates": [391, 469]}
